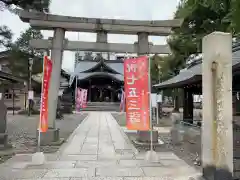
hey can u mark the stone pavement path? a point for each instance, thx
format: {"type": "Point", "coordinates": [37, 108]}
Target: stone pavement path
{"type": "Point", "coordinates": [97, 149]}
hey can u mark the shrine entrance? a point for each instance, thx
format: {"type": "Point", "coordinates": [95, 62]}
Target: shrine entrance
{"type": "Point", "coordinates": [102, 88]}
{"type": "Point", "coordinates": [101, 94]}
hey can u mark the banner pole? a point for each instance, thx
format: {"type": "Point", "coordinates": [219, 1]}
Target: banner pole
{"type": "Point", "coordinates": [39, 129]}
{"type": "Point", "coordinates": [76, 87]}
{"type": "Point", "coordinates": [157, 112]}
{"type": "Point", "coordinates": [150, 102]}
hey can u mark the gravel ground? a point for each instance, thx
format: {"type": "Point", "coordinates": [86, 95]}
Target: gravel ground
{"type": "Point", "coordinates": [186, 151]}
{"type": "Point", "coordinates": [22, 132]}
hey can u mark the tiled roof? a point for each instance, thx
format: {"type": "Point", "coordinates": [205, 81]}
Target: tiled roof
{"type": "Point", "coordinates": [194, 73]}
{"type": "Point", "coordinates": [83, 67]}
{"type": "Point", "coordinates": [82, 76]}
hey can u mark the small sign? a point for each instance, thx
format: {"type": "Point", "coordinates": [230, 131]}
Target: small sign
{"type": "Point", "coordinates": [1, 96]}
{"type": "Point", "coordinates": [154, 100]}
{"type": "Point", "coordinates": [31, 95]}
{"type": "Point", "coordinates": [159, 98]}
{"type": "Point", "coordinates": [60, 92]}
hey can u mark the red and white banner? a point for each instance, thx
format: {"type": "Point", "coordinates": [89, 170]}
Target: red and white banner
{"type": "Point", "coordinates": [84, 98]}
{"type": "Point", "coordinates": [137, 93]}
{"type": "Point", "coordinates": [47, 70]}
{"type": "Point", "coordinates": [79, 99]}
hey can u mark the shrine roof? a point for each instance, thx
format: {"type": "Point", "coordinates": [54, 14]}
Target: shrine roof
{"type": "Point", "coordinates": [9, 77]}
{"type": "Point", "coordinates": [194, 73]}
{"type": "Point", "coordinates": [82, 76]}
{"type": "Point", "coordinates": [84, 66]}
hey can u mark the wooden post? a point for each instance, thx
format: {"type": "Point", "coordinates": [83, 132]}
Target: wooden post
{"type": "Point", "coordinates": [188, 106]}
{"type": "Point", "coordinates": [13, 99]}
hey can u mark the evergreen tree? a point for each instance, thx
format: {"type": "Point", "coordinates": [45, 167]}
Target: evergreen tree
{"type": "Point", "coordinates": [21, 53]}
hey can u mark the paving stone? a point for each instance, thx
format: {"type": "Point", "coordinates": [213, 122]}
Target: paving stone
{"type": "Point", "coordinates": [106, 163]}
{"type": "Point", "coordinates": [19, 165]}
{"type": "Point", "coordinates": [72, 151]}
{"type": "Point", "coordinates": [22, 174]}
{"type": "Point", "coordinates": [90, 146]}
{"type": "Point", "coordinates": [138, 163]}
{"type": "Point", "coordinates": [78, 157]}
{"type": "Point", "coordinates": [68, 173]}
{"type": "Point", "coordinates": [106, 150]}
{"type": "Point", "coordinates": [97, 151]}
{"type": "Point", "coordinates": [99, 178]}
{"type": "Point", "coordinates": [28, 158]}
{"type": "Point", "coordinates": [52, 179]}
{"type": "Point", "coordinates": [125, 155]}
{"type": "Point", "coordinates": [106, 157]}
{"type": "Point", "coordinates": [75, 146]}
{"type": "Point", "coordinates": [158, 171]}
{"type": "Point", "coordinates": [163, 171]}
{"type": "Point", "coordinates": [161, 155]}
{"type": "Point", "coordinates": [192, 176]}
{"type": "Point", "coordinates": [88, 152]}
{"type": "Point", "coordinates": [54, 165]}
{"type": "Point", "coordinates": [150, 178]}
{"type": "Point", "coordinates": [167, 155]}
{"type": "Point", "coordinates": [119, 172]}
{"type": "Point", "coordinates": [173, 163]}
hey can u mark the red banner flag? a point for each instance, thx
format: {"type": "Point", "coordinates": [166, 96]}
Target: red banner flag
{"type": "Point", "coordinates": [79, 99]}
{"type": "Point", "coordinates": [84, 98]}
{"type": "Point", "coordinates": [47, 70]}
{"type": "Point", "coordinates": [137, 93]}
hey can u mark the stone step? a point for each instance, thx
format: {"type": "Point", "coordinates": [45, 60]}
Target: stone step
{"type": "Point", "coordinates": [101, 109]}
{"type": "Point", "coordinates": [103, 104]}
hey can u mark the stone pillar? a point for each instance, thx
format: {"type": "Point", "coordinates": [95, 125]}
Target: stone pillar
{"type": "Point", "coordinates": [56, 57]}
{"type": "Point", "coordinates": [3, 121]}
{"type": "Point", "coordinates": [217, 134]}
{"type": "Point", "coordinates": [143, 49]}
{"type": "Point", "coordinates": [143, 44]}
{"type": "Point", "coordinates": [176, 101]}
{"type": "Point", "coordinates": [188, 106]}
{"type": "Point", "coordinates": [102, 37]}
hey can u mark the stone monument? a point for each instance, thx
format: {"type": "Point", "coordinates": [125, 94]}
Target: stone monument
{"type": "Point", "coordinates": [217, 128]}
{"type": "Point", "coordinates": [176, 135]}
{"type": "Point", "coordinates": [3, 126]}
{"type": "Point", "coordinates": [59, 113]}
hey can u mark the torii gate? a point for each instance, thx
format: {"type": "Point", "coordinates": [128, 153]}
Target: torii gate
{"type": "Point", "coordinates": [57, 44]}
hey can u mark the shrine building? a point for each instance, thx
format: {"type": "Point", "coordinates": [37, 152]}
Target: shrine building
{"type": "Point", "coordinates": [102, 78]}
{"type": "Point", "coordinates": [189, 82]}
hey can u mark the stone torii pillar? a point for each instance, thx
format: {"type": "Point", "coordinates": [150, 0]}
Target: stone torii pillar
{"type": "Point", "coordinates": [143, 49]}
{"type": "Point", "coordinates": [102, 37]}
{"type": "Point", "coordinates": [217, 133]}
{"type": "Point", "coordinates": [52, 135]}
{"type": "Point", "coordinates": [143, 44]}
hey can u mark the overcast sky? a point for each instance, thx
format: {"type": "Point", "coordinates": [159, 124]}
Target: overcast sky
{"type": "Point", "coordinates": [119, 9]}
